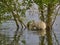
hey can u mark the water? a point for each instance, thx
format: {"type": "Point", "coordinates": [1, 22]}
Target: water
{"type": "Point", "coordinates": [31, 39]}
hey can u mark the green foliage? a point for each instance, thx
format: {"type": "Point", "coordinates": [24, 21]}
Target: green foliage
{"type": "Point", "coordinates": [4, 9]}
{"type": "Point", "coordinates": [46, 1]}
{"type": "Point", "coordinates": [4, 40]}
{"type": "Point", "coordinates": [59, 1]}
{"type": "Point", "coordinates": [8, 6]}
{"type": "Point", "coordinates": [27, 3]}
{"type": "Point", "coordinates": [23, 41]}
{"type": "Point", "coordinates": [23, 13]}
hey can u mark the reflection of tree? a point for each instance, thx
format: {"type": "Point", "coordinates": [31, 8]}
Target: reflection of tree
{"type": "Point", "coordinates": [4, 40]}
{"type": "Point", "coordinates": [18, 31]}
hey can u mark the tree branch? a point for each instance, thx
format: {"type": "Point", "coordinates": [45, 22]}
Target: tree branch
{"type": "Point", "coordinates": [56, 13]}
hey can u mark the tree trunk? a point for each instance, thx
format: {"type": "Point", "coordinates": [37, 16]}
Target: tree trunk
{"type": "Point", "coordinates": [42, 18]}
{"type": "Point", "coordinates": [48, 22]}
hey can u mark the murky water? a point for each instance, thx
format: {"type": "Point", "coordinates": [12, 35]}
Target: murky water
{"type": "Point", "coordinates": [31, 39]}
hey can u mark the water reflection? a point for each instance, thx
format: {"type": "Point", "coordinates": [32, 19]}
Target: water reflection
{"type": "Point", "coordinates": [28, 36]}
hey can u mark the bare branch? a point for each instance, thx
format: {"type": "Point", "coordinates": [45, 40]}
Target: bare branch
{"type": "Point", "coordinates": [56, 13]}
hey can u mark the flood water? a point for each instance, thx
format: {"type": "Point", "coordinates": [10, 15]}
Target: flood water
{"type": "Point", "coordinates": [30, 38]}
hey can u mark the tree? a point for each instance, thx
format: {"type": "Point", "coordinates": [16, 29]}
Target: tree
{"type": "Point", "coordinates": [48, 17]}
{"type": "Point", "coordinates": [12, 8]}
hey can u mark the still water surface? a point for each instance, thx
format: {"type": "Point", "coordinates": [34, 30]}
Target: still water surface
{"type": "Point", "coordinates": [31, 39]}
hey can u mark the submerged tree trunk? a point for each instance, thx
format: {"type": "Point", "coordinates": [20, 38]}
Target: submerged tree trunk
{"type": "Point", "coordinates": [42, 41]}
{"type": "Point", "coordinates": [48, 22]}
{"type": "Point", "coordinates": [42, 18]}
